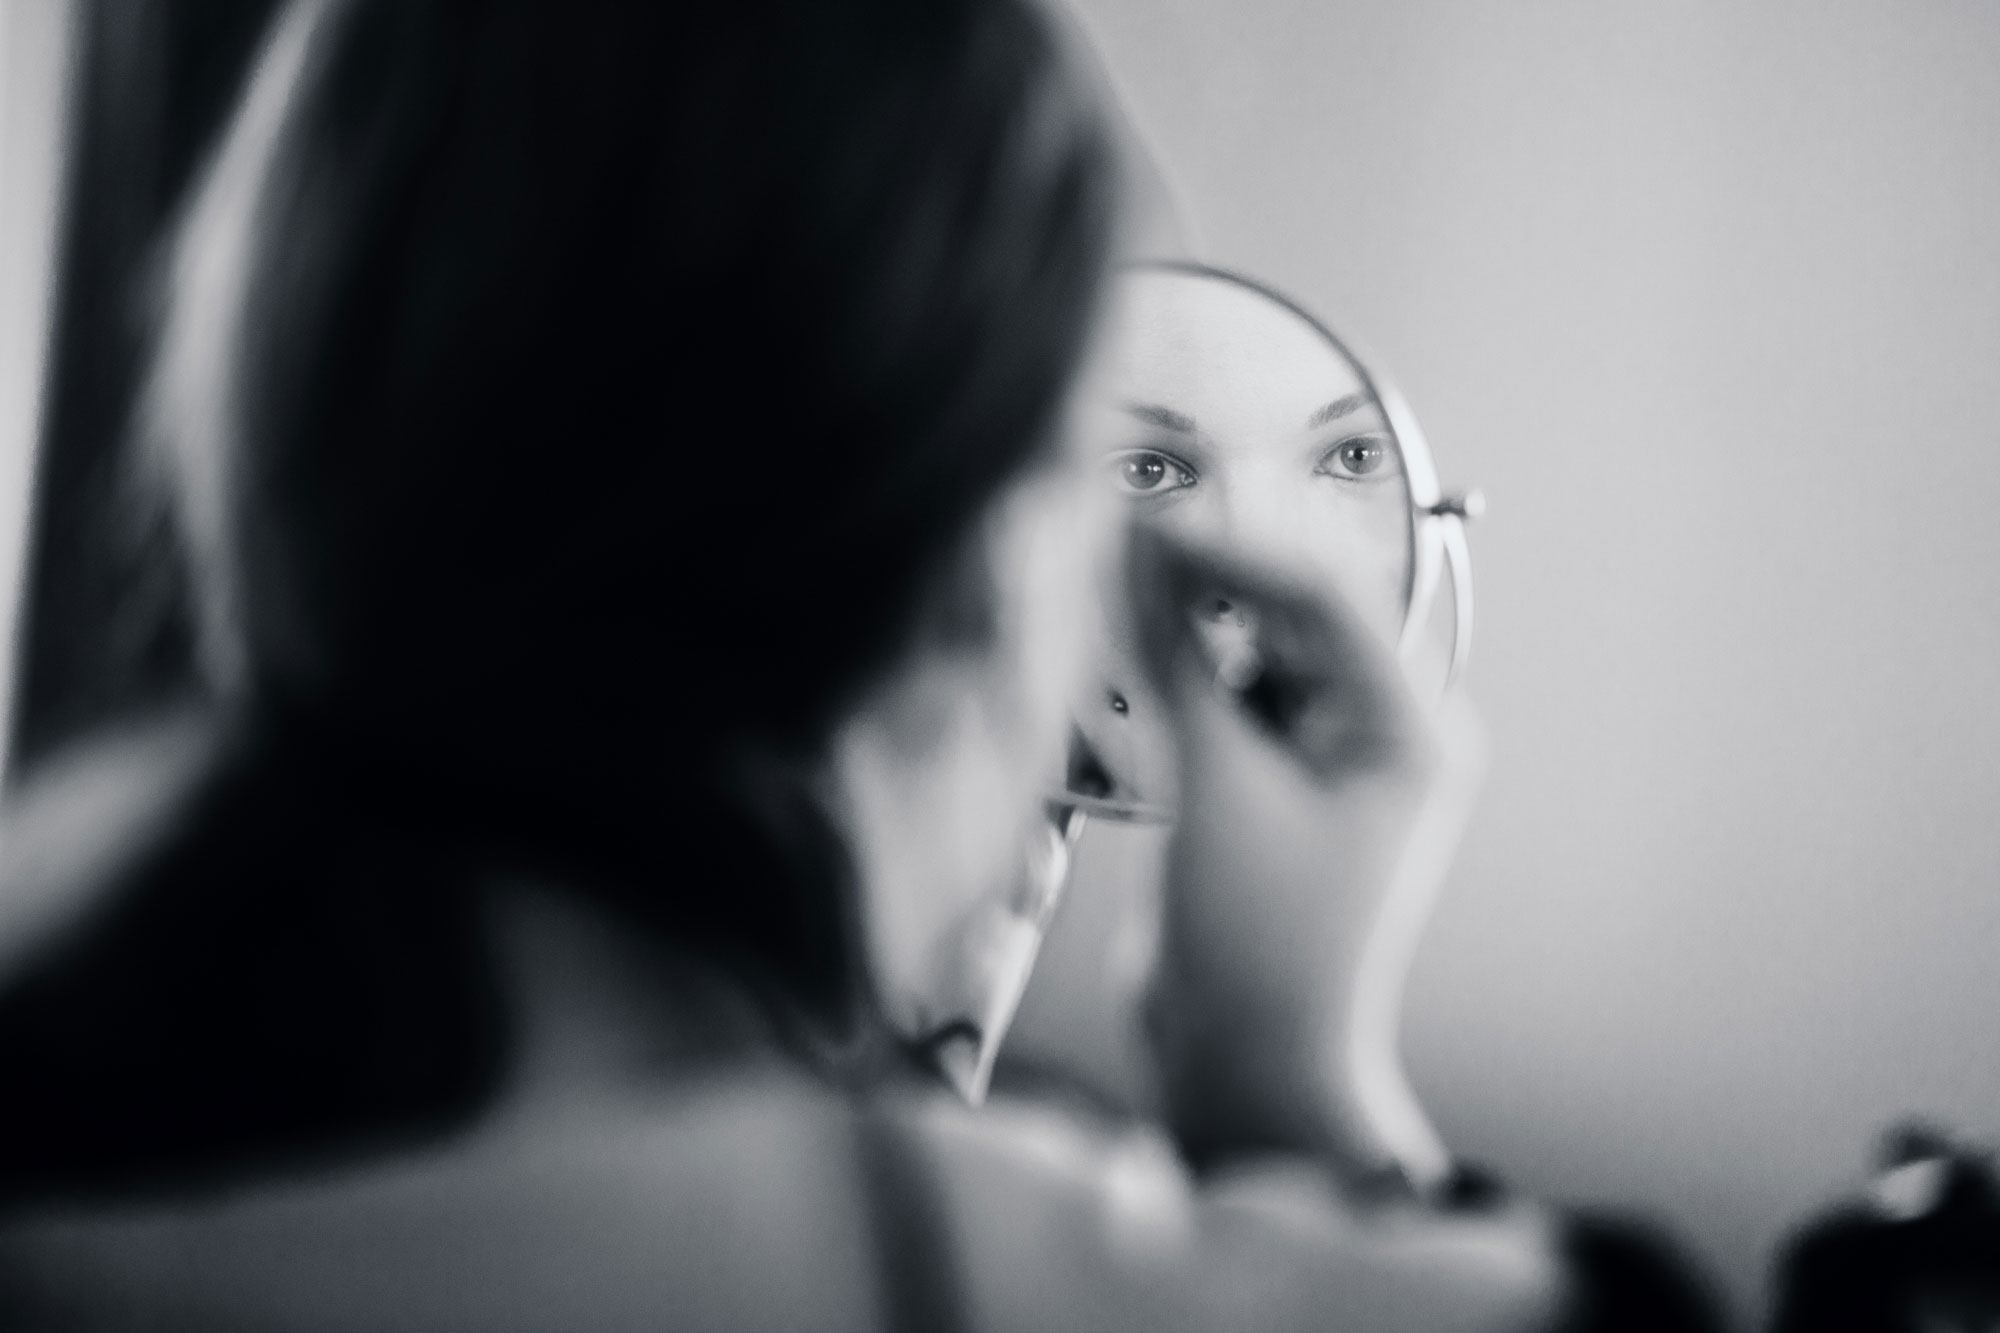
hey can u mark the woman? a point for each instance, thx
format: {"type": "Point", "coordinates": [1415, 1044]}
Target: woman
{"type": "Point", "coordinates": [637, 552]}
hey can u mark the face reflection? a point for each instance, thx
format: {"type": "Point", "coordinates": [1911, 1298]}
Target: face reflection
{"type": "Point", "coordinates": [1225, 416]}
{"type": "Point", "coordinates": [1238, 422]}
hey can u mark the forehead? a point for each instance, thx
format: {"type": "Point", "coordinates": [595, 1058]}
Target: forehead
{"type": "Point", "coordinates": [1219, 351]}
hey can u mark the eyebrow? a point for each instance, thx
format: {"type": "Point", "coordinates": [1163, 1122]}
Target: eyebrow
{"type": "Point", "coordinates": [1339, 408]}
{"type": "Point", "coordinates": [1164, 417]}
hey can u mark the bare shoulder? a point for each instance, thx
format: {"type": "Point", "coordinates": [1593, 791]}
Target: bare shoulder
{"type": "Point", "coordinates": [726, 1204]}
{"type": "Point", "coordinates": [747, 1201]}
{"type": "Point", "coordinates": [1061, 1222]}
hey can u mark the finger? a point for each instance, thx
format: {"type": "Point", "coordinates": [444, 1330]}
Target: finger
{"type": "Point", "coordinates": [1301, 664]}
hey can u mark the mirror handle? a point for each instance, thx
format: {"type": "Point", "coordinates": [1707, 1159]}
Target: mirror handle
{"type": "Point", "coordinates": [1440, 538]}
{"type": "Point", "coordinates": [1451, 514]}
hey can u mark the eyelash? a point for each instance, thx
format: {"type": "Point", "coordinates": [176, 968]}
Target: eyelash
{"type": "Point", "coordinates": [1182, 476]}
{"type": "Point", "coordinates": [1331, 454]}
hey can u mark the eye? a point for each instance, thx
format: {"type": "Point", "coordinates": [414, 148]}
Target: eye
{"type": "Point", "coordinates": [1356, 457]}
{"type": "Point", "coordinates": [1150, 472]}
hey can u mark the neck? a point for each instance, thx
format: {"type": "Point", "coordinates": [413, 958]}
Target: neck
{"type": "Point", "coordinates": [599, 1003]}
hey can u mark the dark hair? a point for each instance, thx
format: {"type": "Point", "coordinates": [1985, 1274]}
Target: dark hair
{"type": "Point", "coordinates": [604, 389]}
{"type": "Point", "coordinates": [546, 300]}
{"type": "Point", "coordinates": [614, 376]}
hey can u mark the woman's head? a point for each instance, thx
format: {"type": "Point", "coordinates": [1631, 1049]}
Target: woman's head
{"type": "Point", "coordinates": [589, 403]}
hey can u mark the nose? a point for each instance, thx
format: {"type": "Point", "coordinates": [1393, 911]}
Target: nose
{"type": "Point", "coordinates": [1253, 506]}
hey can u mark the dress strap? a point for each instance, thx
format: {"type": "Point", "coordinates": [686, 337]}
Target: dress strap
{"type": "Point", "coordinates": [916, 1269]}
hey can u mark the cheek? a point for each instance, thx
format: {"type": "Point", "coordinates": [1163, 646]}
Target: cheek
{"type": "Point", "coordinates": [1071, 538]}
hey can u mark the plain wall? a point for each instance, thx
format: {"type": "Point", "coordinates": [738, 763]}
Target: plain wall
{"type": "Point", "coordinates": [1707, 298]}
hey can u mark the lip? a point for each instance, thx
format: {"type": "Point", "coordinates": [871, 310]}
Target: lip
{"type": "Point", "coordinates": [956, 1049]}
{"type": "Point", "coordinates": [1119, 812]}
{"type": "Point", "coordinates": [1092, 788]}
{"type": "Point", "coordinates": [958, 1029]}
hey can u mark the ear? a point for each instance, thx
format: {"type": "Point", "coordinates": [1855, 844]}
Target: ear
{"type": "Point", "coordinates": [922, 791]}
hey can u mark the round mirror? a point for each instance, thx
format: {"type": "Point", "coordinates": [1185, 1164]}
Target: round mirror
{"type": "Point", "coordinates": [1230, 415]}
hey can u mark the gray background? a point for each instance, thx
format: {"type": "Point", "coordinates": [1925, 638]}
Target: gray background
{"type": "Point", "coordinates": [1707, 297]}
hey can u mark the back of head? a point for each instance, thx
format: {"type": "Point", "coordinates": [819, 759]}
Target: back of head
{"type": "Point", "coordinates": [597, 382]}
{"type": "Point", "coordinates": [559, 404]}
{"type": "Point", "coordinates": [602, 383]}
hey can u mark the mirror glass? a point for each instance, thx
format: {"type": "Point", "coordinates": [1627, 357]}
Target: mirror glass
{"type": "Point", "coordinates": [1229, 415]}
